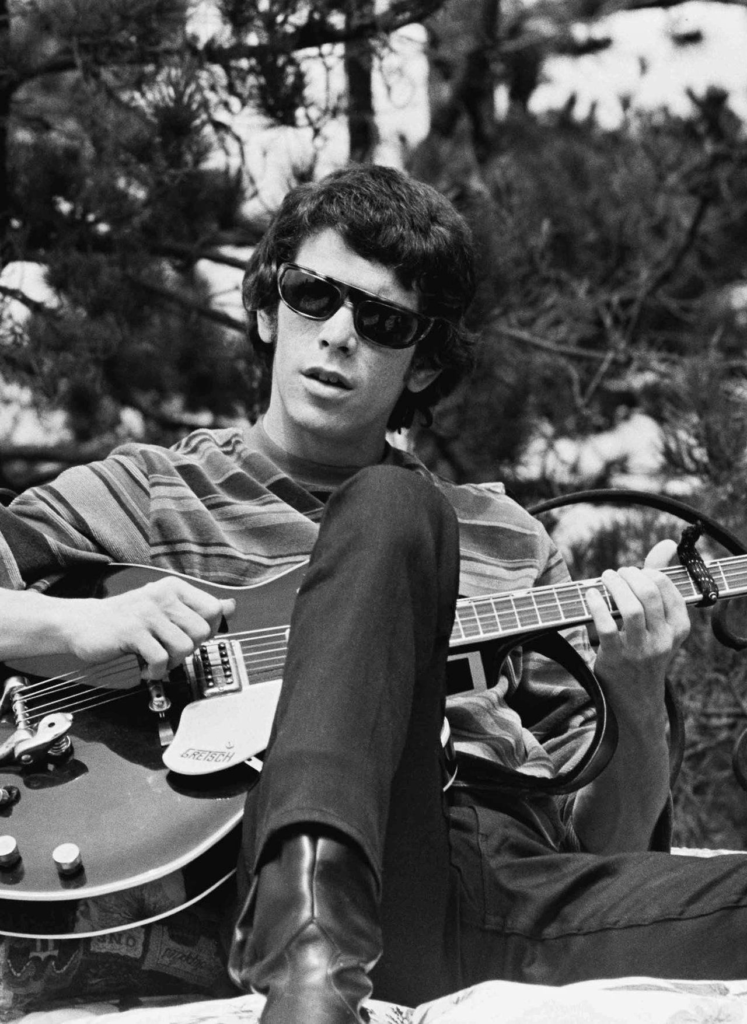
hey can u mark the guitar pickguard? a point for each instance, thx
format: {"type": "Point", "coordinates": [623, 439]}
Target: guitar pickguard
{"type": "Point", "coordinates": [223, 732]}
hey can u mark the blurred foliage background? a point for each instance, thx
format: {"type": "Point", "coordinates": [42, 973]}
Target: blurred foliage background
{"type": "Point", "coordinates": [611, 265]}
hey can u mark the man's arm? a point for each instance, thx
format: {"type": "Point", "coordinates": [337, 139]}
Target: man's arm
{"type": "Point", "coordinates": [618, 811]}
{"type": "Point", "coordinates": [161, 623]}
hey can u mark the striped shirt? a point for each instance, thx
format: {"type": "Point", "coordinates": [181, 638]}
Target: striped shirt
{"type": "Point", "coordinates": [226, 508]}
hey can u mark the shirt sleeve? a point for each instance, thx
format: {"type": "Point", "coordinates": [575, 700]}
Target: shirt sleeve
{"type": "Point", "coordinates": [86, 515]}
{"type": "Point", "coordinates": [559, 712]}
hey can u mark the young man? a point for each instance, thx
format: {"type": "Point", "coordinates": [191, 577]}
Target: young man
{"type": "Point", "coordinates": [355, 860]}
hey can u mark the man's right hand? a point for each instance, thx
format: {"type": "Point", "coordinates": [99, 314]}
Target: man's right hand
{"type": "Point", "coordinates": [162, 623]}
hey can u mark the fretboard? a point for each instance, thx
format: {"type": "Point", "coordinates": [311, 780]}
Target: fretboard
{"type": "Point", "coordinates": [524, 611]}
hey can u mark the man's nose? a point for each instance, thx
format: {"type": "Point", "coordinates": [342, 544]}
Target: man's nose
{"type": "Point", "coordinates": [339, 330]}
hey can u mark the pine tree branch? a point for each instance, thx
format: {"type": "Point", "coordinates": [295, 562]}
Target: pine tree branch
{"type": "Point", "coordinates": [313, 34]}
{"type": "Point", "coordinates": [33, 304]}
{"type": "Point", "coordinates": [214, 315]}
{"type": "Point", "coordinates": [317, 32]}
{"type": "Point", "coordinates": [515, 334]}
{"type": "Point", "coordinates": [195, 253]}
{"type": "Point", "coordinates": [673, 261]}
{"type": "Point", "coordinates": [181, 422]}
{"type": "Point", "coordinates": [106, 243]}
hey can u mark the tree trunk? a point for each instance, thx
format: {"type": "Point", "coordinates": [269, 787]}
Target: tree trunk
{"type": "Point", "coordinates": [358, 71]}
{"type": "Point", "coordinates": [463, 47]}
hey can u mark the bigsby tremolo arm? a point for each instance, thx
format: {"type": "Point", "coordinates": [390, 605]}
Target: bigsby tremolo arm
{"type": "Point", "coordinates": [27, 744]}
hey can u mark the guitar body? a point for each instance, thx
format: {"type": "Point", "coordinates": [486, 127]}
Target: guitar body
{"type": "Point", "coordinates": [134, 820]}
{"type": "Point", "coordinates": [153, 791]}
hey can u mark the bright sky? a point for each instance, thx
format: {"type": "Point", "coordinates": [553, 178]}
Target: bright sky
{"type": "Point", "coordinates": [644, 64]}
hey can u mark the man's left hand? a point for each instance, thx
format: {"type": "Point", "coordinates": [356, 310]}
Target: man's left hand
{"type": "Point", "coordinates": [636, 651]}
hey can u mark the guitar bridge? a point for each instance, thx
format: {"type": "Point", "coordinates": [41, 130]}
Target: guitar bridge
{"type": "Point", "coordinates": [28, 744]}
{"type": "Point", "coordinates": [215, 668]}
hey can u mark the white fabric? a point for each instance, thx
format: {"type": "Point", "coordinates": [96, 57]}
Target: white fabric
{"type": "Point", "coordinates": [620, 1001]}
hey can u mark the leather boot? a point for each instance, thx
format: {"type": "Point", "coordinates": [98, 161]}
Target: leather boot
{"type": "Point", "coordinates": [309, 933]}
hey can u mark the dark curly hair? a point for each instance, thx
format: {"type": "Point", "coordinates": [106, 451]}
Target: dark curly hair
{"type": "Point", "coordinates": [389, 218]}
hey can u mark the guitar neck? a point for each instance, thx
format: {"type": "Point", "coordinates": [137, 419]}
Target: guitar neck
{"type": "Point", "coordinates": [525, 611]}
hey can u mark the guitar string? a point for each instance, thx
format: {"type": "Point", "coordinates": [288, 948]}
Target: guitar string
{"type": "Point", "coordinates": [538, 602]}
{"type": "Point", "coordinates": [85, 706]}
{"type": "Point", "coordinates": [116, 666]}
{"type": "Point", "coordinates": [256, 661]}
{"type": "Point", "coordinates": [117, 670]}
{"type": "Point", "coordinates": [88, 700]}
{"type": "Point", "coordinates": [541, 599]}
{"type": "Point", "coordinates": [64, 703]}
{"type": "Point", "coordinates": [482, 608]}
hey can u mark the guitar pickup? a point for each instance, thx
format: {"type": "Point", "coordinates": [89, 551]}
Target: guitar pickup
{"type": "Point", "coordinates": [215, 668]}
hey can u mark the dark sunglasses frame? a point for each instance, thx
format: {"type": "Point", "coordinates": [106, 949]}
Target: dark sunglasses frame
{"type": "Point", "coordinates": [358, 297]}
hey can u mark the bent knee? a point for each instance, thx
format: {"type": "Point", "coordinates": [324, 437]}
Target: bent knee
{"type": "Point", "coordinates": [398, 501]}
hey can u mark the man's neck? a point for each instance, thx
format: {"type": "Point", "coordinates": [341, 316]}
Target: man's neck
{"type": "Point", "coordinates": [324, 451]}
{"type": "Point", "coordinates": [314, 475]}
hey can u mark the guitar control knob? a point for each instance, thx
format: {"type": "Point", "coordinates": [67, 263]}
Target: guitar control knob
{"type": "Point", "coordinates": [9, 852]}
{"type": "Point", "coordinates": [67, 859]}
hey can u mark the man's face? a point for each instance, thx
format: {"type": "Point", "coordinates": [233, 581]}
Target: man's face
{"type": "Point", "coordinates": [332, 392]}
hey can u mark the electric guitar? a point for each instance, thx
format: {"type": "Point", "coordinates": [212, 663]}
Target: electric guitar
{"type": "Point", "coordinates": [111, 785]}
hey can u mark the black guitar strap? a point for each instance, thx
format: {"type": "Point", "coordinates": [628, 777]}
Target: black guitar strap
{"type": "Point", "coordinates": [697, 570]}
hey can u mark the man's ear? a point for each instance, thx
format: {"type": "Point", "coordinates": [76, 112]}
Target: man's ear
{"type": "Point", "coordinates": [419, 377]}
{"type": "Point", "coordinates": [266, 326]}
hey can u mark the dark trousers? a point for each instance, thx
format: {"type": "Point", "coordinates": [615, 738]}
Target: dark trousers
{"type": "Point", "coordinates": [529, 914]}
{"type": "Point", "coordinates": [468, 892]}
{"type": "Point", "coordinates": [355, 743]}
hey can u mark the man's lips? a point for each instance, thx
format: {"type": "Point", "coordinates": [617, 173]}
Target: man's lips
{"type": "Point", "coordinates": [329, 377]}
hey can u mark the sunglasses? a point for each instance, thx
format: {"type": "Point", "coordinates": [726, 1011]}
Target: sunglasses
{"type": "Point", "coordinates": [318, 298]}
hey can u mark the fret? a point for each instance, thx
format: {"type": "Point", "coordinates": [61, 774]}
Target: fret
{"type": "Point", "coordinates": [566, 605]}
{"type": "Point", "coordinates": [681, 579]}
{"type": "Point", "coordinates": [724, 585]}
{"type": "Point", "coordinates": [737, 584]}
{"type": "Point", "coordinates": [546, 604]}
{"type": "Point", "coordinates": [459, 625]}
{"type": "Point", "coordinates": [734, 572]}
{"type": "Point", "coordinates": [469, 629]}
{"type": "Point", "coordinates": [694, 592]}
{"type": "Point", "coordinates": [575, 603]}
{"type": "Point", "coordinates": [536, 606]}
{"type": "Point", "coordinates": [497, 615]}
{"type": "Point", "coordinates": [514, 610]}
{"type": "Point", "coordinates": [527, 609]}
{"type": "Point", "coordinates": [506, 612]}
{"type": "Point", "coordinates": [487, 613]}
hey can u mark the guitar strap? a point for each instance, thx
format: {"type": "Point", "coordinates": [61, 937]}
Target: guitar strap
{"type": "Point", "coordinates": [697, 570]}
